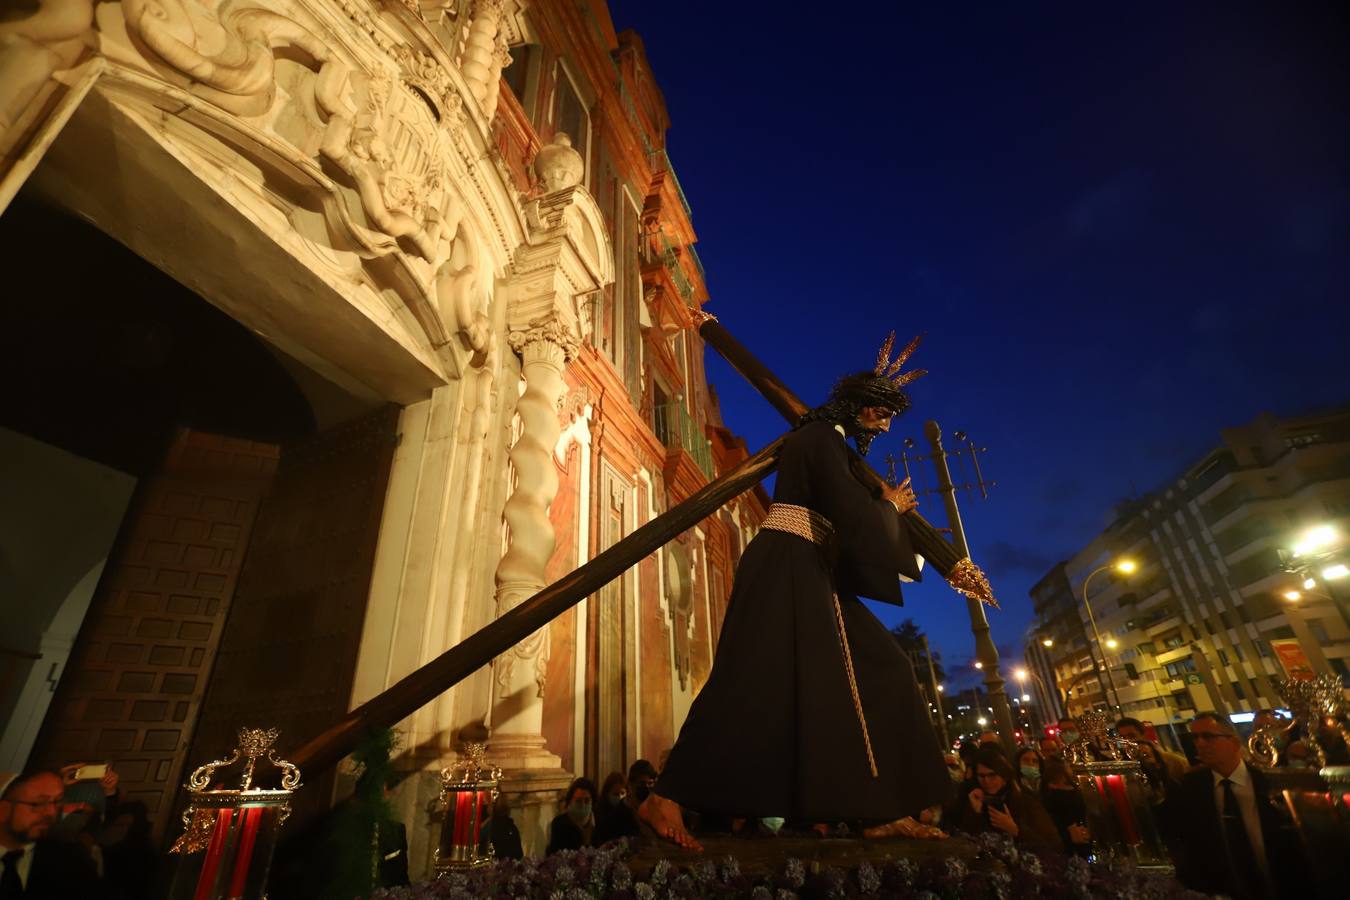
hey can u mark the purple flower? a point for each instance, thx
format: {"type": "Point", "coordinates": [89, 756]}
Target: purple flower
{"type": "Point", "coordinates": [660, 872]}
{"type": "Point", "coordinates": [643, 891]}
{"type": "Point", "coordinates": [794, 873]}
{"type": "Point", "coordinates": [731, 868]}
{"type": "Point", "coordinates": [869, 882]}
{"type": "Point", "coordinates": [622, 877]}
{"type": "Point", "coordinates": [705, 872]}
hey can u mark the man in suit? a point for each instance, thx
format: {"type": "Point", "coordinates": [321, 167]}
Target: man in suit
{"type": "Point", "coordinates": [31, 867]}
{"type": "Point", "coordinates": [1225, 833]}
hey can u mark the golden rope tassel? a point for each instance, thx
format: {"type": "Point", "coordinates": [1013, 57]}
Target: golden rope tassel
{"type": "Point", "coordinates": [853, 684]}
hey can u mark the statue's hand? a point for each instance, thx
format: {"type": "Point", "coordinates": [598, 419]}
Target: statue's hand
{"type": "Point", "coordinates": [901, 497]}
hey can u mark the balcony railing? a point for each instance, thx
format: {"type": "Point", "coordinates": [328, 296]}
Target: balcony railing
{"type": "Point", "coordinates": [676, 428]}
{"type": "Point", "coordinates": [671, 257]}
{"type": "Point", "coordinates": [661, 163]}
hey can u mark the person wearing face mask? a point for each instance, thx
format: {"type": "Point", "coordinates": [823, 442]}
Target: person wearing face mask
{"type": "Point", "coordinates": [573, 827]}
{"type": "Point", "coordinates": [1000, 804]}
{"type": "Point", "coordinates": [641, 778]}
{"type": "Point", "coordinates": [1029, 768]}
{"type": "Point", "coordinates": [614, 817]}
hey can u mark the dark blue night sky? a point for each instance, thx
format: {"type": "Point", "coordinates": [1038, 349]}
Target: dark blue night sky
{"type": "Point", "coordinates": [1122, 228]}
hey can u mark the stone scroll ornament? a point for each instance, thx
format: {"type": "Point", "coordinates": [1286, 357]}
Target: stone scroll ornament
{"type": "Point", "coordinates": [964, 576]}
{"type": "Point", "coordinates": [391, 116]}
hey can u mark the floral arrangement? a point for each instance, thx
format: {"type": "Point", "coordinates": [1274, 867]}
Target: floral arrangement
{"type": "Point", "coordinates": [1000, 871]}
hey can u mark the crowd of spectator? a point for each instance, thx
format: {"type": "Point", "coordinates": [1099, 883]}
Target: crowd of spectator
{"type": "Point", "coordinates": [68, 833]}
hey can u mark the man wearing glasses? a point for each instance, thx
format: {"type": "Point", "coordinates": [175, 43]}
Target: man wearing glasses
{"type": "Point", "coordinates": [32, 867]}
{"type": "Point", "coordinates": [1227, 835]}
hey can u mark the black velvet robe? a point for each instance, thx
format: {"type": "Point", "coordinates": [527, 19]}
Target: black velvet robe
{"type": "Point", "coordinates": [774, 731]}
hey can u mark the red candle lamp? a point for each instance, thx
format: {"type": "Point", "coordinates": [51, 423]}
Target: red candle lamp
{"type": "Point", "coordinates": [230, 834]}
{"type": "Point", "coordinates": [1120, 813]}
{"type": "Point", "coordinates": [468, 790]}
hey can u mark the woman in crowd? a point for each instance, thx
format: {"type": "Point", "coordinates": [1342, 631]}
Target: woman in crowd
{"type": "Point", "coordinates": [1065, 806]}
{"type": "Point", "coordinates": [998, 803]}
{"type": "Point", "coordinates": [1029, 765]}
{"type": "Point", "coordinates": [1161, 775]}
{"type": "Point", "coordinates": [573, 827]}
{"type": "Point", "coordinates": [614, 816]}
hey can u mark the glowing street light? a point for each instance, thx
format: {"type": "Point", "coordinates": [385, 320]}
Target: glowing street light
{"type": "Point", "coordinates": [1332, 573]}
{"type": "Point", "coordinates": [978, 664]}
{"type": "Point", "coordinates": [1315, 539]}
{"type": "Point", "coordinates": [1021, 674]}
{"type": "Point", "coordinates": [1293, 596]}
{"type": "Point", "coordinates": [1125, 567]}
{"type": "Point", "coordinates": [1309, 583]}
{"type": "Point", "coordinates": [982, 721]}
{"type": "Point", "coordinates": [1047, 642]}
{"type": "Point", "coordinates": [941, 687]}
{"type": "Point", "coordinates": [1026, 698]}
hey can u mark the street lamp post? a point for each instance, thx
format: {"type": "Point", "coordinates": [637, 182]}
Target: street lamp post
{"type": "Point", "coordinates": [985, 650]}
{"type": "Point", "coordinates": [937, 694]}
{"type": "Point", "coordinates": [1126, 566]}
{"type": "Point", "coordinates": [1318, 557]}
{"type": "Point", "coordinates": [1040, 710]}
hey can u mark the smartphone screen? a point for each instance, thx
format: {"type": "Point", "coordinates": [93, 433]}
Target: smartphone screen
{"type": "Point", "coordinates": [91, 773]}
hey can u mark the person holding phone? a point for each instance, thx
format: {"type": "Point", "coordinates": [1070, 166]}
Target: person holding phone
{"type": "Point", "coordinates": [998, 803]}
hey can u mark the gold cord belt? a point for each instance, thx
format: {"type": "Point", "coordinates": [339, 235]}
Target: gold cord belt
{"type": "Point", "coordinates": [798, 520]}
{"type": "Point", "coordinates": [811, 525]}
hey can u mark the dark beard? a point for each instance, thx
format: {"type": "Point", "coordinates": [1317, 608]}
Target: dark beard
{"type": "Point", "coordinates": [863, 438]}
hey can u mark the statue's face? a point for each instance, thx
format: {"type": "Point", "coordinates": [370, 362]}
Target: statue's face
{"type": "Point", "coordinates": [875, 419]}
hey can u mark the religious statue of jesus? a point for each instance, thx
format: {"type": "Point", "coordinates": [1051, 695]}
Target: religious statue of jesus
{"type": "Point", "coordinates": [812, 711]}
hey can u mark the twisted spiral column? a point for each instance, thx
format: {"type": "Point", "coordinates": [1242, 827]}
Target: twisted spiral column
{"type": "Point", "coordinates": [518, 683]}
{"type": "Point", "coordinates": [480, 49]}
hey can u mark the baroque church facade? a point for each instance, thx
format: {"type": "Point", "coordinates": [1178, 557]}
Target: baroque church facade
{"type": "Point", "coordinates": [337, 329]}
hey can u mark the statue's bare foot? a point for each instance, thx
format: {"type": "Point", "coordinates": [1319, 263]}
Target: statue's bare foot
{"type": "Point", "coordinates": [663, 816]}
{"type": "Point", "coordinates": [906, 827]}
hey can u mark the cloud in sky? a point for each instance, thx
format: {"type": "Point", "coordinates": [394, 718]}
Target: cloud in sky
{"type": "Point", "coordinates": [1004, 558]}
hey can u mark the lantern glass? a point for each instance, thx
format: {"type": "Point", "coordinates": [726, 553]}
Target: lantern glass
{"type": "Point", "coordinates": [225, 851]}
{"type": "Point", "coordinates": [1120, 813]}
{"type": "Point", "coordinates": [468, 791]}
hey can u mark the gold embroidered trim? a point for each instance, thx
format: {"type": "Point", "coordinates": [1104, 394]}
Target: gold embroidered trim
{"type": "Point", "coordinates": [969, 579]}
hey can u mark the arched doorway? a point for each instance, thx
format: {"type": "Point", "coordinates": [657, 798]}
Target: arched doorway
{"type": "Point", "coordinates": [236, 578]}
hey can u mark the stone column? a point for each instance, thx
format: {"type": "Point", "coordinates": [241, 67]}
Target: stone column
{"type": "Point", "coordinates": [478, 64]}
{"type": "Point", "coordinates": [567, 255]}
{"type": "Point", "coordinates": [501, 58]}
{"type": "Point", "coordinates": [544, 346]}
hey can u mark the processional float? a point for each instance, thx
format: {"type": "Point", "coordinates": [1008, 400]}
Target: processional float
{"type": "Point", "coordinates": [460, 661]}
{"type": "Point", "coordinates": [1316, 799]}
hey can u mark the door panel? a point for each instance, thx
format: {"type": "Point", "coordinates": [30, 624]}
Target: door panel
{"type": "Point", "coordinates": [288, 653]}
